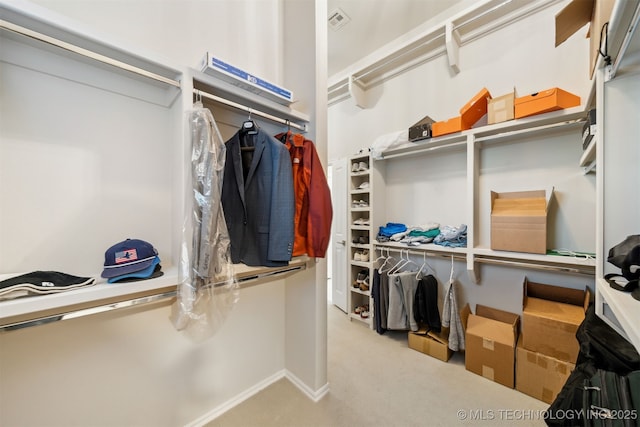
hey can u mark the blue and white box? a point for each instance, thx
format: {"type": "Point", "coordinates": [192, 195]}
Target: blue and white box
{"type": "Point", "coordinates": [214, 66]}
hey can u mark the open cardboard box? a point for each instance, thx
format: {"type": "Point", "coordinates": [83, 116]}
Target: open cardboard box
{"type": "Point", "coordinates": [576, 15]}
{"type": "Point", "coordinates": [501, 109]}
{"type": "Point", "coordinates": [550, 318]}
{"type": "Point", "coordinates": [490, 343]}
{"type": "Point", "coordinates": [519, 221]}
{"type": "Point", "coordinates": [435, 344]}
{"type": "Point", "coordinates": [539, 375]}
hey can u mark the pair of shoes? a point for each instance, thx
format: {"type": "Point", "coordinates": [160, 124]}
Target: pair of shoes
{"type": "Point", "coordinates": [361, 308]}
{"type": "Point", "coordinates": [364, 286]}
{"type": "Point", "coordinates": [364, 311]}
{"type": "Point", "coordinates": [364, 185]}
{"type": "Point", "coordinates": [360, 204]}
{"type": "Point", "coordinates": [362, 277]}
{"type": "Point", "coordinates": [359, 167]}
{"type": "Point", "coordinates": [361, 221]}
{"type": "Point", "coordinates": [361, 256]}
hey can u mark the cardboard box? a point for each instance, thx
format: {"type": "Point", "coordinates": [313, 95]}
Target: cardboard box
{"type": "Point", "coordinates": [519, 221]}
{"type": "Point", "coordinates": [540, 376]}
{"type": "Point", "coordinates": [500, 109]}
{"type": "Point", "coordinates": [550, 318]}
{"type": "Point", "coordinates": [421, 130]}
{"type": "Point", "coordinates": [431, 343]}
{"type": "Point", "coordinates": [490, 343]}
{"type": "Point", "coordinates": [454, 124]}
{"type": "Point", "coordinates": [543, 102]}
{"type": "Point", "coordinates": [223, 70]}
{"type": "Point", "coordinates": [473, 110]}
{"type": "Point", "coordinates": [578, 13]}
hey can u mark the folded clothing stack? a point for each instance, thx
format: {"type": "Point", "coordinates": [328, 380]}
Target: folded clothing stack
{"type": "Point", "coordinates": [131, 260]}
{"type": "Point", "coordinates": [42, 282]}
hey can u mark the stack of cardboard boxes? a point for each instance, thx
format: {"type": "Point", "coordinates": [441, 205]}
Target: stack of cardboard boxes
{"type": "Point", "coordinates": [548, 349]}
{"type": "Point", "coordinates": [535, 353]}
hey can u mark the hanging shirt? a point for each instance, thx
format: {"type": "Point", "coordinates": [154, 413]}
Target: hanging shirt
{"type": "Point", "coordinates": [313, 214]}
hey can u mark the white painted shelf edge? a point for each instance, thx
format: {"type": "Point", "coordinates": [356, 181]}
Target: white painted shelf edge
{"type": "Point", "coordinates": [624, 307]}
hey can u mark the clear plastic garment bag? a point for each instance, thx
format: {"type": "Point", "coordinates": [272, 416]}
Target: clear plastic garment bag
{"type": "Point", "coordinates": [207, 290]}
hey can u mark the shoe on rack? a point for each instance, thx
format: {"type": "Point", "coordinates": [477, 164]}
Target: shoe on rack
{"type": "Point", "coordinates": [363, 166]}
{"type": "Point", "coordinates": [364, 311]}
{"type": "Point", "coordinates": [355, 167]}
{"type": "Point", "coordinates": [364, 256]}
{"type": "Point", "coordinates": [364, 185]}
{"type": "Point", "coordinates": [360, 278]}
{"type": "Point", "coordinates": [363, 240]}
{"type": "Point", "coordinates": [361, 221]}
{"type": "Point", "coordinates": [357, 256]}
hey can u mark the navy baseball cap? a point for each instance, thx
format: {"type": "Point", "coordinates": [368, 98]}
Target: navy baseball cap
{"type": "Point", "coordinates": [129, 256]}
{"type": "Point", "coordinates": [151, 272]}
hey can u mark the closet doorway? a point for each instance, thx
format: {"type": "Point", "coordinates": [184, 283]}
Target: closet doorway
{"type": "Point", "coordinates": [338, 175]}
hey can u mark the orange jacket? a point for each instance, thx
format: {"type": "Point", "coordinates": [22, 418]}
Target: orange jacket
{"type": "Point", "coordinates": [314, 212]}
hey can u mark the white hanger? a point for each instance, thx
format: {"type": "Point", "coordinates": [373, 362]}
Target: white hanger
{"type": "Point", "coordinates": [395, 267]}
{"type": "Point", "coordinates": [424, 264]}
{"type": "Point", "coordinates": [389, 258]}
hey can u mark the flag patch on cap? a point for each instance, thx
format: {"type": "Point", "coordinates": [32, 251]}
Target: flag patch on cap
{"type": "Point", "coordinates": [127, 255]}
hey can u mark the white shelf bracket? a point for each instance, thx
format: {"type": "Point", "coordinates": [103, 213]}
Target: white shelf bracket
{"type": "Point", "coordinates": [472, 270]}
{"type": "Point", "coordinates": [452, 44]}
{"type": "Point", "coordinates": [358, 93]}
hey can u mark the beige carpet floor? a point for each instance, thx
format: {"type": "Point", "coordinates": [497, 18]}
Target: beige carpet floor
{"type": "Point", "coordinates": [376, 380]}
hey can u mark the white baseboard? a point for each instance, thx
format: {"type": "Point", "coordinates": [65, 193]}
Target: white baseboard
{"type": "Point", "coordinates": [313, 395]}
{"type": "Point", "coordinates": [229, 404]}
{"type": "Point", "coordinates": [234, 401]}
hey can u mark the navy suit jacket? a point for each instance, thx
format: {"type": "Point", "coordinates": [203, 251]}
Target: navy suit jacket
{"type": "Point", "coordinates": [259, 209]}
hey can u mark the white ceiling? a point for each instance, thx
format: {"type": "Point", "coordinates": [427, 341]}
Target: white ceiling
{"type": "Point", "coordinates": [373, 24]}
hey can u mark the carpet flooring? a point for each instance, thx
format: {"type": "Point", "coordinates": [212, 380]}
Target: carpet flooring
{"type": "Point", "coordinates": [377, 380]}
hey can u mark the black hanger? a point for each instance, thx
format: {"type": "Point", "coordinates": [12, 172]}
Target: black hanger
{"type": "Point", "coordinates": [249, 126]}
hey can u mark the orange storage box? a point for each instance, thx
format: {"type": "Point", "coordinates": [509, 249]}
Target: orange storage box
{"type": "Point", "coordinates": [475, 108]}
{"type": "Point", "coordinates": [454, 124]}
{"type": "Point", "coordinates": [545, 101]}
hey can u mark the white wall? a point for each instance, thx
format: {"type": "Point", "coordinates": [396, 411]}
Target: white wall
{"type": "Point", "coordinates": [130, 367]}
{"type": "Point", "coordinates": [433, 188]}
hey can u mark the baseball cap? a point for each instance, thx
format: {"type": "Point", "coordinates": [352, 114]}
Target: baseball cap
{"type": "Point", "coordinates": [128, 256]}
{"type": "Point", "coordinates": [151, 272]}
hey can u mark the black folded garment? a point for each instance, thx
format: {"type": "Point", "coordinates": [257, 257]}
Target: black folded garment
{"type": "Point", "coordinates": [43, 282]}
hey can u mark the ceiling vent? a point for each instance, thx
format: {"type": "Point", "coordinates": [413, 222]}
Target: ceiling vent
{"type": "Point", "coordinates": [338, 19]}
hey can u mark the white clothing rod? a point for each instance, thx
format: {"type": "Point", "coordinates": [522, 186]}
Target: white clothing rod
{"type": "Point", "coordinates": [250, 110]}
{"type": "Point", "coordinates": [86, 53]}
{"type": "Point", "coordinates": [421, 252]}
{"type": "Point", "coordinates": [534, 265]}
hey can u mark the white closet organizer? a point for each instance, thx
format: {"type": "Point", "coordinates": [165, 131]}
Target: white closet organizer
{"type": "Point", "coordinates": [85, 183]}
{"type": "Point", "coordinates": [526, 130]}
{"type": "Point", "coordinates": [618, 96]}
{"type": "Point", "coordinates": [360, 235]}
{"type": "Point", "coordinates": [366, 204]}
